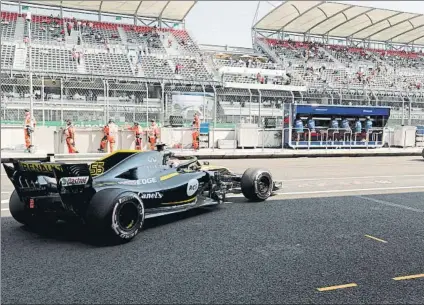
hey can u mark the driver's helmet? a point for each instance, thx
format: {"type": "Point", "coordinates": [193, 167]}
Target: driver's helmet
{"type": "Point", "coordinates": [160, 146]}
{"type": "Point", "coordinates": [173, 162]}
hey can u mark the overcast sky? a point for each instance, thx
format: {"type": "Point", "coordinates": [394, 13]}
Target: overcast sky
{"type": "Point", "coordinates": [229, 22]}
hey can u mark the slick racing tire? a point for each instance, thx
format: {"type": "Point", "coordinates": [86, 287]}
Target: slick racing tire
{"type": "Point", "coordinates": [24, 216]}
{"type": "Point", "coordinates": [17, 209]}
{"type": "Point", "coordinates": [256, 184]}
{"type": "Point", "coordinates": [115, 215]}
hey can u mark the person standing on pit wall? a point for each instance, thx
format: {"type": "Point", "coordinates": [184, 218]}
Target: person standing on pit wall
{"type": "Point", "coordinates": [138, 133]}
{"type": "Point", "coordinates": [153, 134]}
{"type": "Point", "coordinates": [195, 132]}
{"type": "Point", "coordinates": [110, 131]}
{"type": "Point", "coordinates": [69, 133]}
{"type": "Point", "coordinates": [29, 126]}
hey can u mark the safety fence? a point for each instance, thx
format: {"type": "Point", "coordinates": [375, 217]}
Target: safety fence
{"type": "Point", "coordinates": [91, 102]}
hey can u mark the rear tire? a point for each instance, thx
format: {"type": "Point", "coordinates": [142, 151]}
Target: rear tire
{"type": "Point", "coordinates": [17, 209]}
{"type": "Point", "coordinates": [115, 215]}
{"type": "Point", "coordinates": [256, 184]}
{"type": "Point", "coordinates": [23, 215]}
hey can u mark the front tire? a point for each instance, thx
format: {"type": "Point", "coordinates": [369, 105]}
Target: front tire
{"type": "Point", "coordinates": [256, 184]}
{"type": "Point", "coordinates": [115, 215]}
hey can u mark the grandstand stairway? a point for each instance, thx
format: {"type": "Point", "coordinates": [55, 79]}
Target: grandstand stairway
{"type": "Point", "coordinates": [73, 38]}
{"type": "Point", "coordinates": [123, 35]}
{"type": "Point", "coordinates": [338, 62]}
{"type": "Point", "coordinates": [81, 67]}
{"type": "Point", "coordinates": [19, 60]}
{"type": "Point", "coordinates": [173, 49]}
{"type": "Point", "coordinates": [172, 64]}
{"type": "Point", "coordinates": [267, 50]}
{"type": "Point", "coordinates": [384, 63]}
{"type": "Point", "coordinates": [211, 68]}
{"type": "Point", "coordinates": [20, 29]}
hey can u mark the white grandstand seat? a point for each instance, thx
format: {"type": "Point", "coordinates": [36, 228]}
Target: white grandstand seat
{"type": "Point", "coordinates": [8, 25]}
{"type": "Point", "coordinates": [185, 41]}
{"type": "Point", "coordinates": [101, 33]}
{"type": "Point", "coordinates": [144, 35]}
{"type": "Point", "coordinates": [52, 59]}
{"type": "Point", "coordinates": [193, 69]}
{"type": "Point", "coordinates": [45, 30]}
{"type": "Point", "coordinates": [7, 55]}
{"type": "Point", "coordinates": [156, 68]}
{"type": "Point", "coordinates": [374, 65]}
{"type": "Point", "coordinates": [108, 64]}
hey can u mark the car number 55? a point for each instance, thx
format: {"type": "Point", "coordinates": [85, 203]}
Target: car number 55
{"type": "Point", "coordinates": [97, 168]}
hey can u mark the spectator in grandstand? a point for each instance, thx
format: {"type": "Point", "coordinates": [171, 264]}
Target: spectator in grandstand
{"type": "Point", "coordinates": [110, 130]}
{"type": "Point", "coordinates": [69, 28]}
{"type": "Point", "coordinates": [69, 133]}
{"type": "Point", "coordinates": [29, 125]}
{"type": "Point", "coordinates": [138, 133]}
{"type": "Point", "coordinates": [153, 134]}
{"type": "Point", "coordinates": [78, 57]}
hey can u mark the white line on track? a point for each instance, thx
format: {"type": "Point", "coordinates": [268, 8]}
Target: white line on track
{"type": "Point", "coordinates": [392, 204]}
{"type": "Point", "coordinates": [5, 192]}
{"type": "Point", "coordinates": [341, 191]}
{"type": "Point", "coordinates": [5, 201]}
{"type": "Point", "coordinates": [5, 209]}
{"type": "Point", "coordinates": [343, 178]}
{"type": "Point", "coordinates": [355, 190]}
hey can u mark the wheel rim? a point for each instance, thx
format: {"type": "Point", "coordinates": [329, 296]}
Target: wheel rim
{"type": "Point", "coordinates": [128, 216]}
{"type": "Point", "coordinates": [264, 185]}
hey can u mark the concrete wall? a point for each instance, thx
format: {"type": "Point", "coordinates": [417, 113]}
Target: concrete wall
{"type": "Point", "coordinates": [43, 137]}
{"type": "Point", "coordinates": [48, 139]}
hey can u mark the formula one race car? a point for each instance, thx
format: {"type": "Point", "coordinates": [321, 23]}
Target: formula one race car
{"type": "Point", "coordinates": [114, 195]}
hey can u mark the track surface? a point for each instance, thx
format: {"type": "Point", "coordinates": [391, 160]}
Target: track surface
{"type": "Point", "coordinates": [338, 221]}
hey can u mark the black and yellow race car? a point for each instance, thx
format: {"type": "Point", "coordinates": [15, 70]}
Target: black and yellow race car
{"type": "Point", "coordinates": [114, 195]}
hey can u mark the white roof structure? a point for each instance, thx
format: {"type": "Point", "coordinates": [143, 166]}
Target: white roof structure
{"type": "Point", "coordinates": [170, 10]}
{"type": "Point", "coordinates": [345, 21]}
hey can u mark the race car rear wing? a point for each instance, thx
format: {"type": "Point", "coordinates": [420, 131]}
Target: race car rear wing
{"type": "Point", "coordinates": [36, 179]}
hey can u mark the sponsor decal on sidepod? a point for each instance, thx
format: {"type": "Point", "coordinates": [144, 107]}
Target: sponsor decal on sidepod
{"type": "Point", "coordinates": [155, 195]}
{"type": "Point", "coordinates": [192, 187]}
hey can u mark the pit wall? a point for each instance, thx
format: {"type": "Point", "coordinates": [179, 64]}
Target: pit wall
{"type": "Point", "coordinates": [49, 139]}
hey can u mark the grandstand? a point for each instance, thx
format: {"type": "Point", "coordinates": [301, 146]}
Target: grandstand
{"type": "Point", "coordinates": [92, 68]}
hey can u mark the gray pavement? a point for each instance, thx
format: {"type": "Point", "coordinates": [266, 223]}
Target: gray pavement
{"type": "Point", "coordinates": [354, 222]}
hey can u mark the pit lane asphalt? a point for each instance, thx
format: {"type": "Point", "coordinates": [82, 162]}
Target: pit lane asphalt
{"type": "Point", "coordinates": [370, 231]}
